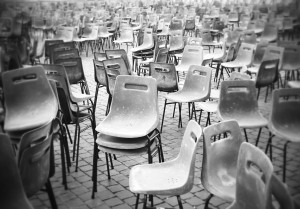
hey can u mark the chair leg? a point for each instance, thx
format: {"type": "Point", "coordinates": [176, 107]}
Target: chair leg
{"type": "Point", "coordinates": [163, 116]}
{"type": "Point", "coordinates": [137, 201]}
{"type": "Point", "coordinates": [257, 140]}
{"type": "Point", "coordinates": [180, 119]}
{"type": "Point", "coordinates": [107, 165]}
{"type": "Point", "coordinates": [145, 202]}
{"type": "Point", "coordinates": [246, 137]}
{"type": "Point", "coordinates": [207, 201]}
{"type": "Point", "coordinates": [77, 151]}
{"type": "Point", "coordinates": [75, 141]}
{"type": "Point", "coordinates": [63, 163]}
{"type": "Point", "coordinates": [179, 202]}
{"type": "Point", "coordinates": [94, 175]}
{"type": "Point", "coordinates": [51, 195]}
{"type": "Point", "coordinates": [111, 162]}
{"type": "Point", "coordinates": [258, 91]}
{"type": "Point", "coordinates": [284, 161]}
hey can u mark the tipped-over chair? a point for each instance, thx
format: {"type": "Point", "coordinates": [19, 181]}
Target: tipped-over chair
{"type": "Point", "coordinates": [238, 101]}
{"type": "Point", "coordinates": [12, 191]}
{"type": "Point", "coordinates": [253, 179]}
{"type": "Point", "coordinates": [284, 120]}
{"type": "Point", "coordinates": [130, 128]}
{"type": "Point", "coordinates": [219, 164]}
{"type": "Point", "coordinates": [172, 178]}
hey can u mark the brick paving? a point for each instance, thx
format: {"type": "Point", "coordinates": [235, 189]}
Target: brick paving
{"type": "Point", "coordinates": [115, 193]}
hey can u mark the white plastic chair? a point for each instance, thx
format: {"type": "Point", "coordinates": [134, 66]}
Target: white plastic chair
{"type": "Point", "coordinates": [192, 55]}
{"type": "Point", "coordinates": [172, 178]}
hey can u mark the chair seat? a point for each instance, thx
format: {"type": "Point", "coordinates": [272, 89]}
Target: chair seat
{"type": "Point", "coordinates": [253, 69]}
{"type": "Point", "coordinates": [290, 132]}
{"type": "Point", "coordinates": [253, 120]}
{"type": "Point", "coordinates": [78, 97]}
{"type": "Point", "coordinates": [118, 41]}
{"type": "Point", "coordinates": [105, 35]}
{"type": "Point", "coordinates": [158, 179]}
{"type": "Point", "coordinates": [208, 106]}
{"type": "Point", "coordinates": [236, 64]}
{"type": "Point", "coordinates": [290, 66]}
{"type": "Point", "coordinates": [267, 38]}
{"type": "Point", "coordinates": [213, 43]}
{"type": "Point", "coordinates": [185, 96]}
{"type": "Point", "coordinates": [214, 93]}
{"type": "Point", "coordinates": [293, 84]}
{"type": "Point", "coordinates": [142, 47]}
{"type": "Point", "coordinates": [214, 56]}
{"type": "Point", "coordinates": [125, 126]}
{"type": "Point", "coordinates": [121, 143]}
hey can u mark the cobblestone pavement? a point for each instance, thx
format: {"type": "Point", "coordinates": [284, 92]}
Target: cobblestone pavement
{"type": "Point", "coordinates": [115, 193]}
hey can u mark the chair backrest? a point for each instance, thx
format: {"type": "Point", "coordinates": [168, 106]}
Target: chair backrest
{"type": "Point", "coordinates": [65, 33]}
{"type": "Point", "coordinates": [270, 29]}
{"type": "Point", "coordinates": [190, 24]}
{"type": "Point", "coordinates": [267, 73]}
{"type": "Point", "coordinates": [113, 68]}
{"type": "Point", "coordinates": [220, 157]}
{"type": "Point", "coordinates": [162, 55]}
{"type": "Point", "coordinates": [176, 24]}
{"type": "Point", "coordinates": [117, 53]}
{"type": "Point", "coordinates": [59, 75]}
{"type": "Point", "coordinates": [127, 34]}
{"type": "Point", "coordinates": [99, 56]}
{"type": "Point", "coordinates": [274, 52]}
{"type": "Point", "coordinates": [187, 154]}
{"type": "Point", "coordinates": [99, 72]}
{"type": "Point", "coordinates": [73, 68]}
{"type": "Point", "coordinates": [192, 55]}
{"type": "Point", "coordinates": [245, 52]}
{"type": "Point", "coordinates": [165, 75]}
{"type": "Point", "coordinates": [285, 110]}
{"type": "Point", "coordinates": [237, 98]}
{"type": "Point", "coordinates": [249, 37]}
{"type": "Point", "coordinates": [34, 158]}
{"type": "Point", "coordinates": [291, 57]}
{"type": "Point", "coordinates": [135, 97]}
{"type": "Point", "coordinates": [65, 54]}
{"type": "Point", "coordinates": [12, 191]}
{"type": "Point", "coordinates": [29, 99]}
{"type": "Point", "coordinates": [253, 179]}
{"type": "Point", "coordinates": [176, 39]}
{"type": "Point", "coordinates": [198, 80]}
{"type": "Point", "coordinates": [53, 48]}
{"type": "Point", "coordinates": [259, 53]}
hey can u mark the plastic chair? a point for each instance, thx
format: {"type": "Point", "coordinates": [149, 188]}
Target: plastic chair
{"type": "Point", "coordinates": [270, 33]}
{"type": "Point", "coordinates": [249, 37]}
{"type": "Point", "coordinates": [75, 72]}
{"type": "Point", "coordinates": [29, 100]}
{"type": "Point", "coordinates": [34, 161]}
{"type": "Point", "coordinates": [194, 41]}
{"type": "Point", "coordinates": [190, 26]}
{"type": "Point", "coordinates": [130, 128]}
{"type": "Point", "coordinates": [117, 53]}
{"type": "Point", "coordinates": [258, 56]}
{"type": "Point", "coordinates": [53, 48]}
{"type": "Point", "coordinates": [66, 34]}
{"type": "Point", "coordinates": [196, 88]}
{"type": "Point", "coordinates": [244, 57]}
{"type": "Point", "coordinates": [12, 191]}
{"type": "Point", "coordinates": [253, 179]}
{"type": "Point", "coordinates": [99, 74]}
{"type": "Point", "coordinates": [211, 105]}
{"type": "Point", "coordinates": [207, 40]}
{"type": "Point", "coordinates": [126, 37]}
{"type": "Point", "coordinates": [267, 75]}
{"type": "Point", "coordinates": [104, 35]}
{"type": "Point", "coordinates": [290, 62]}
{"type": "Point", "coordinates": [233, 18]}
{"type": "Point", "coordinates": [284, 120]}
{"type": "Point", "coordinates": [113, 68]}
{"type": "Point", "coordinates": [220, 158]}
{"type": "Point", "coordinates": [65, 54]}
{"type": "Point", "coordinates": [176, 24]}
{"type": "Point", "coordinates": [73, 112]}
{"type": "Point", "coordinates": [176, 43]}
{"type": "Point", "coordinates": [244, 109]}
{"type": "Point", "coordinates": [172, 178]}
{"type": "Point", "coordinates": [192, 55]}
